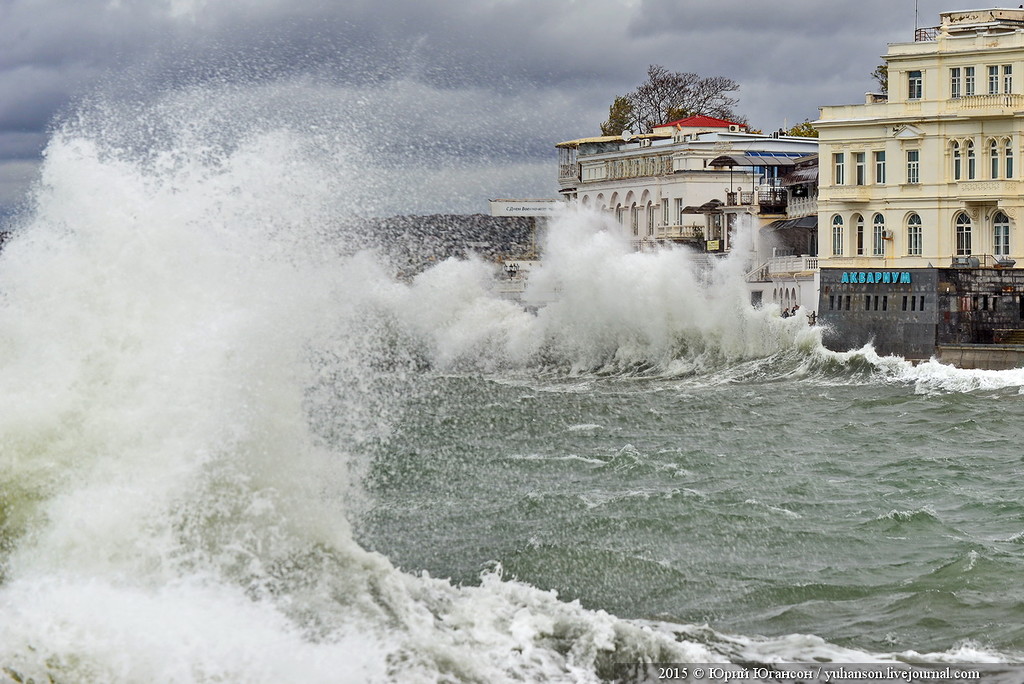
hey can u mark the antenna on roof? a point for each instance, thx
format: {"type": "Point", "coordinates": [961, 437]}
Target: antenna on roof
{"type": "Point", "coordinates": [916, 26]}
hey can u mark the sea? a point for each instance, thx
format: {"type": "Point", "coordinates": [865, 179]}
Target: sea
{"type": "Point", "coordinates": [233, 448]}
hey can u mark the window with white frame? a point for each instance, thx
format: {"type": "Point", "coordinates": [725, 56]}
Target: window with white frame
{"type": "Point", "coordinates": [839, 166]}
{"type": "Point", "coordinates": [954, 82]}
{"type": "Point", "coordinates": [1000, 234]}
{"type": "Point", "coordinates": [837, 235]}
{"type": "Point", "coordinates": [860, 167]}
{"type": "Point", "coordinates": [665, 212]}
{"type": "Point", "coordinates": [880, 167]}
{"type": "Point", "coordinates": [913, 166]}
{"type": "Point", "coordinates": [914, 240]}
{"type": "Point", "coordinates": [679, 211]}
{"type": "Point", "coordinates": [915, 85]}
{"type": "Point", "coordinates": [634, 219]}
{"type": "Point", "coordinates": [969, 81]}
{"type": "Point", "coordinates": [993, 80]}
{"type": "Point", "coordinates": [963, 234]}
{"type": "Point", "coordinates": [650, 219]}
{"type": "Point", "coordinates": [858, 222]}
{"type": "Point", "coordinates": [1008, 158]}
{"type": "Point", "coordinates": [993, 153]}
{"type": "Point", "coordinates": [957, 160]}
{"type": "Point", "coordinates": [972, 161]}
{"type": "Point", "coordinates": [1007, 78]}
{"type": "Point", "coordinates": [878, 235]}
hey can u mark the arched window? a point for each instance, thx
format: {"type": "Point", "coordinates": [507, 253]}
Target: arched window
{"type": "Point", "coordinates": [858, 222]}
{"type": "Point", "coordinates": [956, 160]}
{"type": "Point", "coordinates": [878, 235]}
{"type": "Point", "coordinates": [1008, 156]}
{"type": "Point", "coordinates": [963, 234]}
{"type": "Point", "coordinates": [914, 241]}
{"type": "Point", "coordinates": [650, 219]}
{"type": "Point", "coordinates": [837, 235]}
{"type": "Point", "coordinates": [993, 148]}
{"type": "Point", "coordinates": [972, 161]}
{"type": "Point", "coordinates": [634, 218]}
{"type": "Point", "coordinates": [1000, 234]}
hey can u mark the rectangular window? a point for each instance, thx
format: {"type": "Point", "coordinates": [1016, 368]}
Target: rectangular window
{"type": "Point", "coordinates": [913, 166]}
{"type": "Point", "coordinates": [634, 218]}
{"type": "Point", "coordinates": [847, 302]}
{"type": "Point", "coordinates": [915, 85]}
{"type": "Point", "coordinates": [664, 213]}
{"type": "Point", "coordinates": [837, 240]}
{"type": "Point", "coordinates": [1002, 239]}
{"type": "Point", "coordinates": [831, 302]}
{"type": "Point", "coordinates": [921, 307]}
{"type": "Point", "coordinates": [913, 303]}
{"type": "Point", "coordinates": [969, 81]}
{"type": "Point", "coordinates": [880, 167]}
{"type": "Point", "coordinates": [954, 82]}
{"type": "Point", "coordinates": [860, 167]}
{"type": "Point", "coordinates": [914, 240]}
{"type": "Point", "coordinates": [993, 80]}
{"type": "Point", "coordinates": [867, 302]}
{"type": "Point", "coordinates": [679, 211]}
{"type": "Point", "coordinates": [839, 163]}
{"type": "Point", "coordinates": [904, 302]}
{"type": "Point", "coordinates": [885, 302]}
{"type": "Point", "coordinates": [1007, 78]}
{"type": "Point", "coordinates": [1008, 155]}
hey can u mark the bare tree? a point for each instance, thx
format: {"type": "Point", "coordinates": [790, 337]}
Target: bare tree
{"type": "Point", "coordinates": [669, 95]}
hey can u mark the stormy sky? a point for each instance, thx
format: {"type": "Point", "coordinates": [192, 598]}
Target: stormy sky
{"type": "Point", "coordinates": [481, 90]}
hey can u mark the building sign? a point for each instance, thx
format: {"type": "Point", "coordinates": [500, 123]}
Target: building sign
{"type": "Point", "coordinates": [518, 207]}
{"type": "Point", "coordinates": [875, 277]}
{"type": "Point", "coordinates": [713, 245]}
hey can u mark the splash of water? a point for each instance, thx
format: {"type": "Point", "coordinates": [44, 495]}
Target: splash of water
{"type": "Point", "coordinates": [193, 363]}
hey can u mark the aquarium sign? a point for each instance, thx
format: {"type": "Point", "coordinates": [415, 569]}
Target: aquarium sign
{"type": "Point", "coordinates": [876, 277]}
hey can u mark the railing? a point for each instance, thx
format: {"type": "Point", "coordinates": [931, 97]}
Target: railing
{"type": "Point", "coordinates": [792, 264]}
{"type": "Point", "coordinates": [680, 232]}
{"type": "Point", "coordinates": [923, 35]}
{"type": "Point", "coordinates": [802, 206]}
{"type": "Point", "coordinates": [773, 199]}
{"type": "Point", "coordinates": [981, 261]}
{"type": "Point", "coordinates": [739, 198]}
{"type": "Point", "coordinates": [994, 101]}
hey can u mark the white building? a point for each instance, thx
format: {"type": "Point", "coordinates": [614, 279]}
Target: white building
{"type": "Point", "coordinates": [688, 181]}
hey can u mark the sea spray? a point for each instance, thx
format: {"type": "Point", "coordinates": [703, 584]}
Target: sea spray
{"type": "Point", "coordinates": [199, 370]}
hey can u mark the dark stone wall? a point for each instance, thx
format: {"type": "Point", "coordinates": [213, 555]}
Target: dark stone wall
{"type": "Point", "coordinates": [948, 306]}
{"type": "Point", "coordinates": [978, 304]}
{"type": "Point", "coordinates": [897, 318]}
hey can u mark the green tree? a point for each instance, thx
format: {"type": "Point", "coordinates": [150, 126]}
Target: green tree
{"type": "Point", "coordinates": [670, 95]}
{"type": "Point", "coordinates": [803, 130]}
{"type": "Point", "coordinates": [620, 116]}
{"type": "Point", "coordinates": [881, 74]}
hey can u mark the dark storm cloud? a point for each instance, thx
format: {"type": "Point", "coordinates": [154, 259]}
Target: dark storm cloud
{"type": "Point", "coordinates": [484, 86]}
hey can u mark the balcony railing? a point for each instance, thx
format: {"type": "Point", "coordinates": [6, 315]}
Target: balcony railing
{"type": "Point", "coordinates": [692, 232]}
{"type": "Point", "coordinates": [792, 264]}
{"type": "Point", "coordinates": [998, 101]}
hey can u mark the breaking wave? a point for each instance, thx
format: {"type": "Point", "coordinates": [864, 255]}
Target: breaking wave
{"type": "Point", "coordinates": [194, 364]}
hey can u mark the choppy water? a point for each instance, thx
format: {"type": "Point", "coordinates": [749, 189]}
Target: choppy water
{"type": "Point", "coordinates": [232, 450]}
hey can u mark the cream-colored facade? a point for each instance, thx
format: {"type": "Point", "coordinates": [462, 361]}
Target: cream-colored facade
{"type": "Point", "coordinates": [933, 175]}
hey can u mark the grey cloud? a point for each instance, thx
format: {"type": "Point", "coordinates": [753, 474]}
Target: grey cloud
{"type": "Point", "coordinates": [476, 85]}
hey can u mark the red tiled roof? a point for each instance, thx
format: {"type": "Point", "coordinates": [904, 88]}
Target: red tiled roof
{"type": "Point", "coordinates": [701, 121]}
